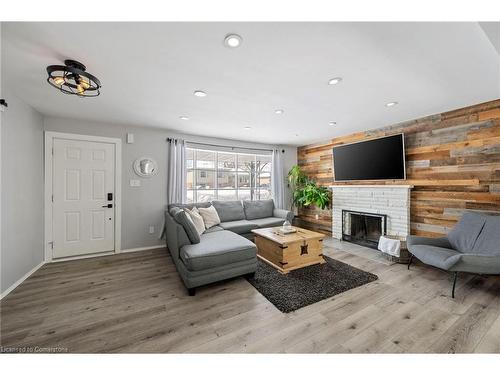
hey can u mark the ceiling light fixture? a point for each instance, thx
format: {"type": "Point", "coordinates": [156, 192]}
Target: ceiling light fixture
{"type": "Point", "coordinates": [72, 78]}
{"type": "Point", "coordinates": [232, 40]}
{"type": "Point", "coordinates": [200, 94]}
{"type": "Point", "coordinates": [247, 128]}
{"type": "Point", "coordinates": [332, 123]}
{"type": "Point", "coordinates": [391, 104]}
{"type": "Point", "coordinates": [335, 80]}
{"type": "Point", "coordinates": [279, 111]}
{"type": "Point", "coordinates": [184, 117]}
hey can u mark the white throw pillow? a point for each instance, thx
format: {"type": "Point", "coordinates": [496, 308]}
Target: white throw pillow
{"type": "Point", "coordinates": [196, 218]}
{"type": "Point", "coordinates": [210, 216]}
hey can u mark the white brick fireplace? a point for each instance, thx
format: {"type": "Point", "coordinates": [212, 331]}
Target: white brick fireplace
{"type": "Point", "coordinates": [390, 200]}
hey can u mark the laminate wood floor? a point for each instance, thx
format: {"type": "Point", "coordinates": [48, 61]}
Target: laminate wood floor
{"type": "Point", "coordinates": [135, 302]}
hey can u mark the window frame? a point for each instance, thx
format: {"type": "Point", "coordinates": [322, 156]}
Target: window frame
{"type": "Point", "coordinates": [255, 190]}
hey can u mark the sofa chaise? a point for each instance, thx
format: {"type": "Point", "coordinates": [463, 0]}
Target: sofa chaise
{"type": "Point", "coordinates": [224, 251]}
{"type": "Point", "coordinates": [472, 246]}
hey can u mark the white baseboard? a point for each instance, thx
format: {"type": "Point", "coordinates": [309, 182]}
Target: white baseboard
{"type": "Point", "coordinates": [18, 282]}
{"type": "Point", "coordinates": [142, 248]}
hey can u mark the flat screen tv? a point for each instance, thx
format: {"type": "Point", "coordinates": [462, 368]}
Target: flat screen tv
{"type": "Point", "coordinates": [376, 159]}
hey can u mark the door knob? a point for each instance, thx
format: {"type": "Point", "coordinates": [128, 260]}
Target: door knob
{"type": "Point", "coordinates": [108, 206]}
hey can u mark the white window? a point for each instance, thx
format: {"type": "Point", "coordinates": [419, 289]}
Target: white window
{"type": "Point", "coordinates": [213, 175]}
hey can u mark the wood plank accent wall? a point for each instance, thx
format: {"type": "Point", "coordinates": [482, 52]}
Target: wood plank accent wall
{"type": "Point", "coordinates": [452, 159]}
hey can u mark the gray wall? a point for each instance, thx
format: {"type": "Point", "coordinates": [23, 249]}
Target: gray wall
{"type": "Point", "coordinates": [22, 179]}
{"type": "Point", "coordinates": [22, 190]}
{"type": "Point", "coordinates": [143, 206]}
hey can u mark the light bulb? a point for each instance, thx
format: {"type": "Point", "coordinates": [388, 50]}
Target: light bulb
{"type": "Point", "coordinates": [58, 80]}
{"type": "Point", "coordinates": [84, 84]}
{"type": "Point", "coordinates": [80, 89]}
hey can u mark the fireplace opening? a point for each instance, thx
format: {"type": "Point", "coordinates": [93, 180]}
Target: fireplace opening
{"type": "Point", "coordinates": [363, 228]}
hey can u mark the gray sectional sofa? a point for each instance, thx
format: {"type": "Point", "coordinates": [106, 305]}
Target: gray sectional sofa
{"type": "Point", "coordinates": [472, 246]}
{"type": "Point", "coordinates": [224, 251]}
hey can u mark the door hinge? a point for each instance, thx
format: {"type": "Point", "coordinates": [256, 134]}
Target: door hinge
{"type": "Point", "coordinates": [51, 245]}
{"type": "Point", "coordinates": [52, 151]}
{"type": "Point", "coordinates": [52, 198]}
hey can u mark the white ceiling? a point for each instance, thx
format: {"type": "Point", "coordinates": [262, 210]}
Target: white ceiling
{"type": "Point", "coordinates": [492, 30]}
{"type": "Point", "coordinates": [150, 70]}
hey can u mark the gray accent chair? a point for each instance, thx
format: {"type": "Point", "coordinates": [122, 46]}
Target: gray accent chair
{"type": "Point", "coordinates": [225, 251]}
{"type": "Point", "coordinates": [473, 246]}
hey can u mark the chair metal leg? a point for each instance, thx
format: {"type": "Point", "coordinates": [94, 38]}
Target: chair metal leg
{"type": "Point", "coordinates": [454, 283]}
{"type": "Point", "coordinates": [411, 259]}
{"type": "Point", "coordinates": [191, 291]}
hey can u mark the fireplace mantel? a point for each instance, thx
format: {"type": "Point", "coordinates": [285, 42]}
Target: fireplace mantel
{"type": "Point", "coordinates": [371, 186]}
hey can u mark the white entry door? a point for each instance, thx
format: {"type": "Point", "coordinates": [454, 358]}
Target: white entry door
{"type": "Point", "coordinates": [83, 197]}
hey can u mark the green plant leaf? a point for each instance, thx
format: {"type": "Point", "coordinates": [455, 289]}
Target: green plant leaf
{"type": "Point", "coordinates": [305, 192]}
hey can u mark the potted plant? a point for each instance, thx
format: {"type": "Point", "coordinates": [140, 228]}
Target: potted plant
{"type": "Point", "coordinates": [305, 191]}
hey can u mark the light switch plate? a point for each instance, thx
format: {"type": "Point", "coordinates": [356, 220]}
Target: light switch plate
{"type": "Point", "coordinates": [135, 183]}
{"type": "Point", "coordinates": [151, 229]}
{"type": "Point", "coordinates": [130, 137]}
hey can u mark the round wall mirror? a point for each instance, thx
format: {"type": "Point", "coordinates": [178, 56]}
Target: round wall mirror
{"type": "Point", "coordinates": [145, 167]}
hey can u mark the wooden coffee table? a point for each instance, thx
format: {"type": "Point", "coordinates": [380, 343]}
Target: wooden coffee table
{"type": "Point", "coordinates": [288, 252]}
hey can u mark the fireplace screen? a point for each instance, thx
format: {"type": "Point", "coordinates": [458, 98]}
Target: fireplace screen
{"type": "Point", "coordinates": [363, 228]}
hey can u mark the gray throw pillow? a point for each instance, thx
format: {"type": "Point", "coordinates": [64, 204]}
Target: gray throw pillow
{"type": "Point", "coordinates": [488, 242]}
{"type": "Point", "coordinates": [182, 218]}
{"type": "Point", "coordinates": [229, 210]}
{"type": "Point", "coordinates": [258, 209]}
{"type": "Point", "coordinates": [463, 237]}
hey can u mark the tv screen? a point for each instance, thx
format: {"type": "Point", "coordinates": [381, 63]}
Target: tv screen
{"type": "Point", "coordinates": [376, 159]}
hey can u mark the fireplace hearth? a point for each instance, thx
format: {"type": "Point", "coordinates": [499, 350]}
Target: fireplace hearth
{"type": "Point", "coordinates": [363, 228]}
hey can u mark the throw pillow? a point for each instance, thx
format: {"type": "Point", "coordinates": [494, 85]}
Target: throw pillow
{"type": "Point", "coordinates": [229, 210]}
{"type": "Point", "coordinates": [195, 216]}
{"type": "Point", "coordinates": [183, 219]}
{"type": "Point", "coordinates": [210, 216]}
{"type": "Point", "coordinates": [258, 209]}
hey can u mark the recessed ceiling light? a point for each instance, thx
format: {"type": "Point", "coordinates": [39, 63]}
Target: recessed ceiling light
{"type": "Point", "coordinates": [184, 117]}
{"type": "Point", "coordinates": [232, 40]}
{"type": "Point", "coordinates": [335, 80]}
{"type": "Point", "coordinates": [296, 135]}
{"type": "Point", "coordinates": [279, 111]}
{"type": "Point", "coordinates": [248, 128]}
{"type": "Point", "coordinates": [391, 104]}
{"type": "Point", "coordinates": [200, 93]}
{"type": "Point", "coordinates": [332, 123]}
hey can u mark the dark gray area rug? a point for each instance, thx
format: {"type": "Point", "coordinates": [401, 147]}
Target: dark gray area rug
{"type": "Point", "coordinates": [308, 285]}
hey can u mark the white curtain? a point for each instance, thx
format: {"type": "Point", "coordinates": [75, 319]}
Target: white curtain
{"type": "Point", "coordinates": [278, 180]}
{"type": "Point", "coordinates": [176, 171]}
{"type": "Point", "coordinates": [176, 174]}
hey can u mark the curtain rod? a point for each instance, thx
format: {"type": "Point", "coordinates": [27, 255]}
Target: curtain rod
{"type": "Point", "coordinates": [231, 147]}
